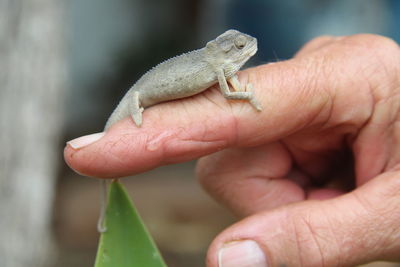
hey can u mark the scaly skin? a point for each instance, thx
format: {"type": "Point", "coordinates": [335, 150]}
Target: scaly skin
{"type": "Point", "coordinates": [190, 74]}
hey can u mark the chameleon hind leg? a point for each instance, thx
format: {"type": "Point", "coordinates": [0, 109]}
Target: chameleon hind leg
{"type": "Point", "coordinates": [135, 110]}
{"type": "Point", "coordinates": [239, 94]}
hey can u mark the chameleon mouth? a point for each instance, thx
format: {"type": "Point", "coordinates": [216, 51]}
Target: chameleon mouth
{"type": "Point", "coordinates": [253, 49]}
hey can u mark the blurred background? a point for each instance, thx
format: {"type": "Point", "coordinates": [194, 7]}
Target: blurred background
{"type": "Point", "coordinates": [64, 65]}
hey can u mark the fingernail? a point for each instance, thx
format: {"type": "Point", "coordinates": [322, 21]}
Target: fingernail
{"type": "Point", "coordinates": [241, 254]}
{"type": "Point", "coordinates": [85, 140]}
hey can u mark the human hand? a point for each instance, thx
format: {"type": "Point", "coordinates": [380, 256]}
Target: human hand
{"type": "Point", "coordinates": [329, 125]}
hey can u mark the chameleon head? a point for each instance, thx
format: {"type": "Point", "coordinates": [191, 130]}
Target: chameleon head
{"type": "Point", "coordinates": [231, 50]}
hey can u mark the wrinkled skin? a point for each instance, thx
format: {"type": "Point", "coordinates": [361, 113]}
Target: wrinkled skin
{"type": "Point", "coordinates": [315, 175]}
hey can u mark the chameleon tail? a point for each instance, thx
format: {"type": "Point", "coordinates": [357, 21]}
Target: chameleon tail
{"type": "Point", "coordinates": [120, 112]}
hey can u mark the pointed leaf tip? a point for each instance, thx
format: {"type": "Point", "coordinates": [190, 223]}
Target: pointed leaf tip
{"type": "Point", "coordinates": [126, 243]}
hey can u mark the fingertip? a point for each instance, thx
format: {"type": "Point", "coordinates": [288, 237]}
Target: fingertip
{"type": "Point", "coordinates": [85, 140]}
{"type": "Point", "coordinates": [73, 158]}
{"type": "Point", "coordinates": [106, 155]}
{"type": "Point", "coordinates": [74, 145]}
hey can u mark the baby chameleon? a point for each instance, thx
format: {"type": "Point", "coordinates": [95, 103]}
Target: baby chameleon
{"type": "Point", "coordinates": [190, 74]}
{"type": "Point", "coordinates": [186, 75]}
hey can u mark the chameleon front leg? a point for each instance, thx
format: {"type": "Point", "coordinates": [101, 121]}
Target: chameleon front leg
{"type": "Point", "coordinates": [249, 96]}
{"type": "Point", "coordinates": [236, 85]}
{"type": "Point", "coordinates": [135, 110]}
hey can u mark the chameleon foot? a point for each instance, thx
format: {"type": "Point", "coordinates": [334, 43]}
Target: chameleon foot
{"type": "Point", "coordinates": [135, 109]}
{"type": "Point", "coordinates": [137, 118]}
{"type": "Point", "coordinates": [253, 100]}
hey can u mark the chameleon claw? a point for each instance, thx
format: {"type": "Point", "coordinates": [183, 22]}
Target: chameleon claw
{"type": "Point", "coordinates": [256, 104]}
{"type": "Point", "coordinates": [253, 101]}
{"type": "Point", "coordinates": [137, 118]}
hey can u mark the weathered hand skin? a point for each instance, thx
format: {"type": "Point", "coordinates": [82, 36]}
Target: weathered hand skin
{"type": "Point", "coordinates": [286, 169]}
{"type": "Point", "coordinates": [191, 73]}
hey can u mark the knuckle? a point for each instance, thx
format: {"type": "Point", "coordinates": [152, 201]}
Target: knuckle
{"type": "Point", "coordinates": [323, 39]}
{"type": "Point", "coordinates": [374, 41]}
{"type": "Point", "coordinates": [213, 180]}
{"type": "Point", "coordinates": [376, 60]}
{"type": "Point", "coordinates": [383, 49]}
{"type": "Point", "coordinates": [315, 44]}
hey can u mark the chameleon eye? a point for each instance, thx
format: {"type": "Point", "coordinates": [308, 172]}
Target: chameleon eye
{"type": "Point", "coordinates": [240, 42]}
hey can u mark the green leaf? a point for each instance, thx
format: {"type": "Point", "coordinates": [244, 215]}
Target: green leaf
{"type": "Point", "coordinates": [126, 243]}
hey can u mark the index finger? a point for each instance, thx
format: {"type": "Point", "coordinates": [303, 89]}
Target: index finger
{"type": "Point", "coordinates": [296, 94]}
{"type": "Point", "coordinates": [186, 129]}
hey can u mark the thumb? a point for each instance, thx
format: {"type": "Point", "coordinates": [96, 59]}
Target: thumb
{"type": "Point", "coordinates": [353, 229]}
